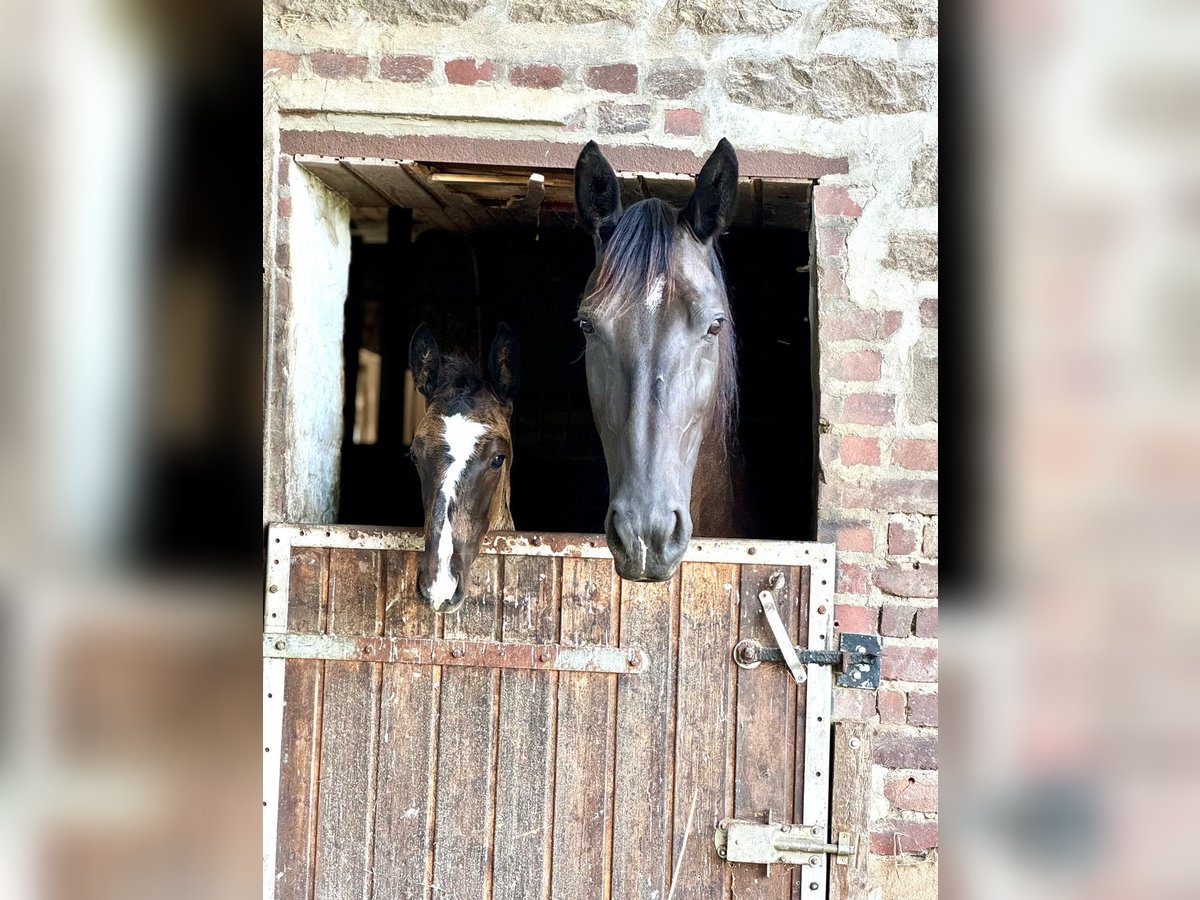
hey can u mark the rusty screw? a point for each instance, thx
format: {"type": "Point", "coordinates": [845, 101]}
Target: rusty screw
{"type": "Point", "coordinates": [457, 652]}
{"type": "Point", "coordinates": [820, 610]}
{"type": "Point", "coordinates": [536, 540]}
{"type": "Point", "coordinates": [546, 655]}
{"type": "Point", "coordinates": [746, 653]}
{"type": "Point", "coordinates": [635, 657]}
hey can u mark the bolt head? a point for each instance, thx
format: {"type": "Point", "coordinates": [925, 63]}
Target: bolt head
{"type": "Point", "coordinates": [814, 861]}
{"type": "Point", "coordinates": [545, 656]}
{"type": "Point", "coordinates": [281, 645]}
{"type": "Point", "coordinates": [816, 829]}
{"type": "Point", "coordinates": [855, 743]}
{"type": "Point", "coordinates": [721, 852]}
{"type": "Point", "coordinates": [457, 652]}
{"type": "Point", "coordinates": [273, 588]}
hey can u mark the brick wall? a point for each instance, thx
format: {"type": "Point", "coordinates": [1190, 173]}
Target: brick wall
{"type": "Point", "coordinates": [850, 78]}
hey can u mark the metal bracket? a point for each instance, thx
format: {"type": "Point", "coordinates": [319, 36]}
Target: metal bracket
{"type": "Point", "coordinates": [773, 843]}
{"type": "Point", "coordinates": [857, 658]}
{"type": "Point", "coordinates": [767, 599]}
{"type": "Point", "coordinates": [434, 652]}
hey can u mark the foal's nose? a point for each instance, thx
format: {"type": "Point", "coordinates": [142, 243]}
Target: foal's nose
{"type": "Point", "coordinates": [647, 543]}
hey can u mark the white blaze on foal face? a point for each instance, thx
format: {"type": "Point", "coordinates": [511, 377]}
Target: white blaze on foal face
{"type": "Point", "coordinates": [462, 438]}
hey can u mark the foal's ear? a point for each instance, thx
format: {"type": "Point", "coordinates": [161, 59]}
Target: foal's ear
{"type": "Point", "coordinates": [425, 360]}
{"type": "Point", "coordinates": [714, 201]}
{"type": "Point", "coordinates": [597, 192]}
{"type": "Point", "coordinates": [504, 363]}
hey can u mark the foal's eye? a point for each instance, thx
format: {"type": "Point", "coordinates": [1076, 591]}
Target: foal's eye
{"type": "Point", "coordinates": [498, 460]}
{"type": "Point", "coordinates": [586, 326]}
{"type": "Point", "coordinates": [715, 327]}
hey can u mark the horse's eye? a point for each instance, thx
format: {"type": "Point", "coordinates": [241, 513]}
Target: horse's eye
{"type": "Point", "coordinates": [715, 327]}
{"type": "Point", "coordinates": [498, 460]}
{"type": "Point", "coordinates": [412, 455]}
{"type": "Point", "coordinates": [586, 326]}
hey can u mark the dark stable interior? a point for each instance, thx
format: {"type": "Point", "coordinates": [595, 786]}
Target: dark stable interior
{"type": "Point", "coordinates": [463, 285]}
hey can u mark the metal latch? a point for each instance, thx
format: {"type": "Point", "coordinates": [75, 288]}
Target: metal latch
{"type": "Point", "coordinates": [857, 657]}
{"type": "Point", "coordinates": [774, 843]}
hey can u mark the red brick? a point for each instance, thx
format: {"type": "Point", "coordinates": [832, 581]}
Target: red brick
{"type": "Point", "coordinates": [673, 84]}
{"type": "Point", "coordinates": [831, 241]}
{"type": "Point", "coordinates": [910, 664]}
{"type": "Point", "coordinates": [906, 749]}
{"type": "Point", "coordinates": [285, 208]}
{"type": "Point", "coordinates": [908, 580]}
{"type": "Point", "coordinates": [922, 709]}
{"type": "Point", "coordinates": [919, 455]}
{"type": "Point", "coordinates": [892, 320]}
{"type": "Point", "coordinates": [855, 539]}
{"type": "Point", "coordinates": [857, 365]}
{"type": "Point", "coordinates": [408, 69]}
{"type": "Point", "coordinates": [927, 623]}
{"type": "Point", "coordinates": [469, 71]}
{"type": "Point", "coordinates": [913, 793]}
{"type": "Point", "coordinates": [855, 619]}
{"type": "Point", "coordinates": [829, 200]}
{"type": "Point", "coordinates": [536, 76]}
{"type": "Point", "coordinates": [851, 579]}
{"type": "Point", "coordinates": [683, 121]}
{"type": "Point", "coordinates": [621, 78]}
{"type": "Point", "coordinates": [853, 450]}
{"type": "Point", "coordinates": [284, 166]}
{"type": "Point", "coordinates": [284, 63]}
{"type": "Point", "coordinates": [897, 621]}
{"type": "Point", "coordinates": [892, 495]}
{"type": "Point", "coordinates": [929, 313]}
{"type": "Point", "coordinates": [338, 65]}
{"type": "Point", "coordinates": [862, 409]}
{"type": "Point", "coordinates": [619, 118]}
{"type": "Point", "coordinates": [913, 836]}
{"type": "Point", "coordinates": [891, 707]}
{"type": "Point", "coordinates": [850, 325]}
{"type": "Point", "coordinates": [930, 546]}
{"type": "Point", "coordinates": [902, 540]}
{"type": "Point", "coordinates": [283, 255]}
{"type": "Point", "coordinates": [849, 703]}
{"type": "Point", "coordinates": [830, 281]}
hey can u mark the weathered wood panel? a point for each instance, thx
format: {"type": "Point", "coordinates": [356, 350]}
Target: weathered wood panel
{"type": "Point", "coordinates": [407, 719]}
{"type": "Point", "coordinates": [645, 713]}
{"type": "Point", "coordinates": [524, 763]}
{"type": "Point", "coordinates": [346, 813]}
{"type": "Point", "coordinates": [466, 746]}
{"type": "Point", "coordinates": [850, 810]}
{"type": "Point", "coordinates": [766, 731]}
{"type": "Point", "coordinates": [414, 781]}
{"type": "Point", "coordinates": [586, 719]}
{"type": "Point", "coordinates": [708, 611]}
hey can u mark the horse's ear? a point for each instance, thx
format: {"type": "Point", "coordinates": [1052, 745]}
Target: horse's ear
{"type": "Point", "coordinates": [597, 192]}
{"type": "Point", "coordinates": [504, 363]}
{"type": "Point", "coordinates": [425, 360]}
{"type": "Point", "coordinates": [710, 210]}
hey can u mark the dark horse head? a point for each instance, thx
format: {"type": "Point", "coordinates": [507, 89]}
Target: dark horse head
{"type": "Point", "coordinates": [661, 368]}
{"type": "Point", "coordinates": [463, 452]}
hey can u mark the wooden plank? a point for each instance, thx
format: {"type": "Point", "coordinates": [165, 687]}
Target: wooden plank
{"type": "Point", "coordinates": [308, 585]}
{"type": "Point", "coordinates": [525, 756]}
{"type": "Point", "coordinates": [299, 745]}
{"type": "Point", "coordinates": [766, 729]}
{"type": "Point", "coordinates": [407, 720]}
{"type": "Point", "coordinates": [390, 178]}
{"type": "Point", "coordinates": [583, 757]}
{"type": "Point", "coordinates": [338, 179]}
{"type": "Point", "coordinates": [803, 577]}
{"type": "Point", "coordinates": [345, 816]}
{"type": "Point", "coordinates": [707, 621]}
{"type": "Point", "coordinates": [645, 744]}
{"type": "Point", "coordinates": [850, 810]}
{"type": "Point", "coordinates": [466, 743]}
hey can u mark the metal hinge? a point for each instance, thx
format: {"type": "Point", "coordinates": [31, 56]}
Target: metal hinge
{"type": "Point", "coordinates": [774, 843]}
{"type": "Point", "coordinates": [857, 656]}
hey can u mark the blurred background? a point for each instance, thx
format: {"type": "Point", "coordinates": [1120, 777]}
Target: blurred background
{"type": "Point", "coordinates": [130, 420]}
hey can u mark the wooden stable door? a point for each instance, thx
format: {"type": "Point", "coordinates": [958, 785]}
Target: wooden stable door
{"type": "Point", "coordinates": [566, 735]}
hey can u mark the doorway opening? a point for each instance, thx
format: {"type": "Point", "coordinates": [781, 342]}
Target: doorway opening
{"type": "Point", "coordinates": [465, 247]}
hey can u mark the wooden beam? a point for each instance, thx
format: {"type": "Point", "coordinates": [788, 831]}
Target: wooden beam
{"type": "Point", "coordinates": [850, 810]}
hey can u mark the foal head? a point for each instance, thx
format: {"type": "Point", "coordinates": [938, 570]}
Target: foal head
{"type": "Point", "coordinates": [660, 352]}
{"type": "Point", "coordinates": [463, 451]}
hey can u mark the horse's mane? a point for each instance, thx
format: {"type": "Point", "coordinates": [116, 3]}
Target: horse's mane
{"type": "Point", "coordinates": [638, 255]}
